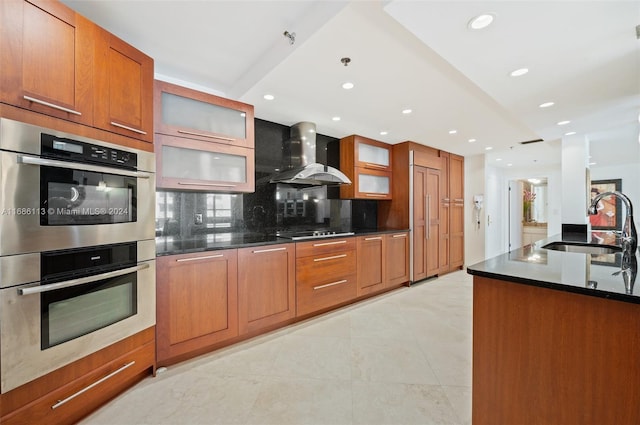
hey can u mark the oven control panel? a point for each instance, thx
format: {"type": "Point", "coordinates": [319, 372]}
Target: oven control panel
{"type": "Point", "coordinates": [74, 150]}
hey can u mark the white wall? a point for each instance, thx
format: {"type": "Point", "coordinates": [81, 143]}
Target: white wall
{"type": "Point", "coordinates": [630, 175]}
{"type": "Point", "coordinates": [474, 237]}
{"type": "Point", "coordinates": [575, 159]}
{"type": "Point", "coordinates": [497, 195]}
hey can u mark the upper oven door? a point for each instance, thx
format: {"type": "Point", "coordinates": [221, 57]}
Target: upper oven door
{"type": "Point", "coordinates": [48, 204]}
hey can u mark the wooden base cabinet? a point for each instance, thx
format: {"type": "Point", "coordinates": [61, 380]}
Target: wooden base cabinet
{"type": "Point", "coordinates": [397, 259]}
{"type": "Point", "coordinates": [266, 286]}
{"type": "Point", "coordinates": [72, 392]}
{"type": "Point", "coordinates": [372, 266]}
{"type": "Point", "coordinates": [197, 297]}
{"type": "Point", "coordinates": [325, 274]}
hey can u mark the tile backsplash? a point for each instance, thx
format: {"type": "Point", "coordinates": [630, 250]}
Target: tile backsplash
{"type": "Point", "coordinates": [272, 206]}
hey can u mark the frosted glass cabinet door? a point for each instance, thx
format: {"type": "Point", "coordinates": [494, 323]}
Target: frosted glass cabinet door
{"type": "Point", "coordinates": [371, 184]}
{"type": "Point", "coordinates": [373, 155]}
{"type": "Point", "coordinates": [192, 114]}
{"type": "Point", "coordinates": [198, 165]}
{"type": "Point", "coordinates": [193, 164]}
{"type": "Point", "coordinates": [204, 117]}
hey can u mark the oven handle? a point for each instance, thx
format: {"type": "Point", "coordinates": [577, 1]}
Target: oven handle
{"type": "Point", "coordinates": [34, 160]}
{"type": "Point", "coordinates": [80, 281]}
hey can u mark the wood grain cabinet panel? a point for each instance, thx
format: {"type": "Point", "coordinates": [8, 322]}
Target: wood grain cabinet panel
{"type": "Point", "coordinates": [197, 301]}
{"type": "Point", "coordinates": [368, 163]}
{"type": "Point", "coordinates": [266, 286]}
{"type": "Point", "coordinates": [456, 220]}
{"type": "Point", "coordinates": [123, 88]}
{"type": "Point", "coordinates": [372, 264]}
{"type": "Point", "coordinates": [46, 59]}
{"type": "Point", "coordinates": [66, 395]}
{"type": "Point", "coordinates": [397, 259]}
{"type": "Point", "coordinates": [426, 216]}
{"type": "Point", "coordinates": [325, 274]}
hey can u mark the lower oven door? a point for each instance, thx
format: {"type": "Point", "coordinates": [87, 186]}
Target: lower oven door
{"type": "Point", "coordinates": [44, 327]}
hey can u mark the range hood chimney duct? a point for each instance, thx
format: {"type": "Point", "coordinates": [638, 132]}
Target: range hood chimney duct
{"type": "Point", "coordinates": [300, 164]}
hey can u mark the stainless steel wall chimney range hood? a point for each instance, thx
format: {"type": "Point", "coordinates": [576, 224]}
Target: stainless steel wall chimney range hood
{"type": "Point", "coordinates": [300, 165]}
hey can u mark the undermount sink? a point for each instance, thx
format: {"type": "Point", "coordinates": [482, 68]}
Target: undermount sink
{"type": "Point", "coordinates": [583, 248]}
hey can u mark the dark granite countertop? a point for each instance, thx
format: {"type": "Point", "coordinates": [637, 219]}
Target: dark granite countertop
{"type": "Point", "coordinates": [173, 245]}
{"type": "Point", "coordinates": [588, 274]}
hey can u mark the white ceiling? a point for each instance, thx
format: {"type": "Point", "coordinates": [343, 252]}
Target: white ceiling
{"type": "Point", "coordinates": [582, 55]}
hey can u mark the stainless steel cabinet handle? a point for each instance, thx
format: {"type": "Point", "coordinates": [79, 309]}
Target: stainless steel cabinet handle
{"type": "Point", "coordinates": [206, 184]}
{"type": "Point", "coordinates": [458, 205]}
{"type": "Point", "coordinates": [207, 257]}
{"type": "Point", "coordinates": [211, 136]}
{"type": "Point", "coordinates": [326, 285]}
{"type": "Point", "coordinates": [98, 382]}
{"type": "Point", "coordinates": [377, 238]}
{"type": "Point", "coordinates": [329, 243]}
{"type": "Point", "coordinates": [333, 257]}
{"type": "Point", "coordinates": [135, 130]}
{"type": "Point", "coordinates": [34, 160]}
{"type": "Point", "coordinates": [269, 250]}
{"type": "Point", "coordinates": [429, 217]}
{"type": "Point", "coordinates": [51, 105]}
{"type": "Point", "coordinates": [80, 281]}
{"type": "Point", "coordinates": [370, 165]}
{"type": "Point", "coordinates": [404, 235]}
{"type": "Point", "coordinates": [458, 200]}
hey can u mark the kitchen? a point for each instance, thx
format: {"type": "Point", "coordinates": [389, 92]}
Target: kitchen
{"type": "Point", "coordinates": [473, 240]}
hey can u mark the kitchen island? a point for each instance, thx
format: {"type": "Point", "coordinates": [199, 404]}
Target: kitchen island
{"type": "Point", "coordinates": [556, 339]}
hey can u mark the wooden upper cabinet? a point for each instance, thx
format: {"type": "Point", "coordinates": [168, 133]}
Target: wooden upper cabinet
{"type": "Point", "coordinates": [183, 112]}
{"type": "Point", "coordinates": [46, 59]}
{"type": "Point", "coordinates": [368, 163]}
{"type": "Point", "coordinates": [123, 88]}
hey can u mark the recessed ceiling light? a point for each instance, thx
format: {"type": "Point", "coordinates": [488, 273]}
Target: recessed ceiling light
{"type": "Point", "coordinates": [592, 163]}
{"type": "Point", "coordinates": [546, 104]}
{"type": "Point", "coordinates": [336, 118]}
{"type": "Point", "coordinates": [519, 72]}
{"type": "Point", "coordinates": [384, 133]}
{"type": "Point", "coordinates": [509, 165]}
{"type": "Point", "coordinates": [453, 131]}
{"type": "Point", "coordinates": [472, 140]}
{"type": "Point", "coordinates": [564, 122]}
{"type": "Point", "coordinates": [406, 111]}
{"type": "Point", "coordinates": [481, 21]}
{"type": "Point", "coordinates": [498, 159]}
{"type": "Point", "coordinates": [571, 133]}
{"type": "Point", "coordinates": [347, 85]}
{"type": "Point", "coordinates": [488, 148]}
{"type": "Point", "coordinates": [268, 97]}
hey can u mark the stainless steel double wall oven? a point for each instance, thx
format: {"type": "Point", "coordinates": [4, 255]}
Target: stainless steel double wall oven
{"type": "Point", "coordinates": [77, 248]}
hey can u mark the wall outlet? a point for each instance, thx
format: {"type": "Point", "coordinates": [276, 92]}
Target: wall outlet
{"type": "Point", "coordinates": [198, 219]}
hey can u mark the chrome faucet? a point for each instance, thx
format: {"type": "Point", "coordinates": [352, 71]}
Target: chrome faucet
{"type": "Point", "coordinates": [629, 237]}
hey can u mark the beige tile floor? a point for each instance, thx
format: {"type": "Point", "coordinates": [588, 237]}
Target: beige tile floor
{"type": "Point", "coordinates": [401, 358]}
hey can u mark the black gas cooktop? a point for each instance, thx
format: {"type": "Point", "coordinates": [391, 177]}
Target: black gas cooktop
{"type": "Point", "coordinates": [298, 235]}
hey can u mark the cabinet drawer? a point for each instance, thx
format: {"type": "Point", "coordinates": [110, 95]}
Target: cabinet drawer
{"type": "Point", "coordinates": [324, 246]}
{"type": "Point", "coordinates": [319, 269]}
{"type": "Point", "coordinates": [78, 398]}
{"type": "Point", "coordinates": [316, 296]}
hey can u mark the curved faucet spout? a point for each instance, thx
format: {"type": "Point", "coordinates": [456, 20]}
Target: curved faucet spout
{"type": "Point", "coordinates": [629, 233]}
